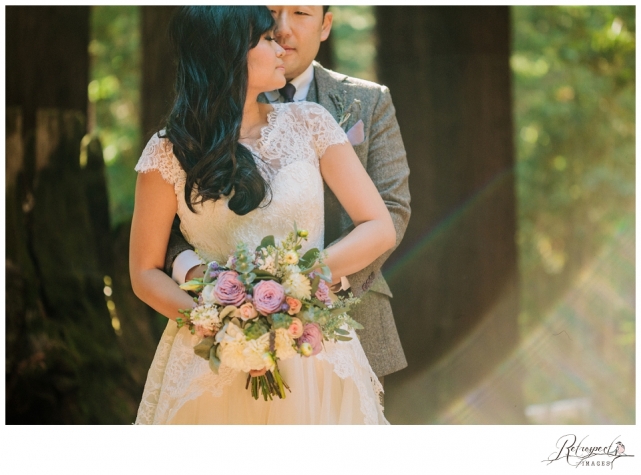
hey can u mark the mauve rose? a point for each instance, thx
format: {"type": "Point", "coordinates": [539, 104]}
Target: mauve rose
{"type": "Point", "coordinates": [313, 335]}
{"type": "Point", "coordinates": [296, 328]}
{"type": "Point", "coordinates": [294, 305]}
{"type": "Point", "coordinates": [268, 297]}
{"type": "Point", "coordinates": [229, 290]}
{"type": "Point", "coordinates": [322, 293]}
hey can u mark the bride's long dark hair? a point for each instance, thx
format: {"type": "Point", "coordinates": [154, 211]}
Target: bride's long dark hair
{"type": "Point", "coordinates": [211, 44]}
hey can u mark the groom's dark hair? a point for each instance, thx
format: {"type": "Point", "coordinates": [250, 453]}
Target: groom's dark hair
{"type": "Point", "coordinates": [325, 8]}
{"type": "Point", "coordinates": [211, 44]}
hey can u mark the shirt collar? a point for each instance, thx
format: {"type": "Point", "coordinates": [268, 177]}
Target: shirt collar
{"type": "Point", "coordinates": [302, 83]}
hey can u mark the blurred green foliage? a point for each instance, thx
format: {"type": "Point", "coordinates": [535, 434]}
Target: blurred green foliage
{"type": "Point", "coordinates": [354, 41]}
{"type": "Point", "coordinates": [574, 118]}
{"type": "Point", "coordinates": [114, 99]}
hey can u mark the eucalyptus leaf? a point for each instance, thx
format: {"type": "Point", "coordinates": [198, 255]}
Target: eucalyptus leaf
{"type": "Point", "coordinates": [341, 331]}
{"type": "Point", "coordinates": [315, 283]}
{"type": "Point", "coordinates": [308, 259]}
{"type": "Point", "coordinates": [335, 312]}
{"type": "Point", "coordinates": [229, 310]}
{"type": "Point", "coordinates": [203, 348]}
{"type": "Point", "coordinates": [214, 362]}
{"type": "Point", "coordinates": [343, 338]}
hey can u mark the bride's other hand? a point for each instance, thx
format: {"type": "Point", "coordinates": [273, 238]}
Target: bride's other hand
{"type": "Point", "coordinates": [196, 272]}
{"type": "Point", "coordinates": [154, 211]}
{"type": "Point", "coordinates": [374, 231]}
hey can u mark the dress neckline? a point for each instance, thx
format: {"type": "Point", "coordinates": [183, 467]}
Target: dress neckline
{"type": "Point", "coordinates": [258, 145]}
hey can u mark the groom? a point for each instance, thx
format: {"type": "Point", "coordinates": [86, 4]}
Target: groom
{"type": "Point", "coordinates": [365, 111]}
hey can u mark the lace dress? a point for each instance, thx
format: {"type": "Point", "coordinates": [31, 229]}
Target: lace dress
{"type": "Point", "coordinates": [337, 386]}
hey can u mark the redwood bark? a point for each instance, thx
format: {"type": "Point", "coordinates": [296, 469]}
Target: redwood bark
{"type": "Point", "coordinates": [454, 277]}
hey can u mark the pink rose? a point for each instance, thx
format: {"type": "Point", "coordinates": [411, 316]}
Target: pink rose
{"type": "Point", "coordinates": [294, 305]}
{"type": "Point", "coordinates": [203, 331]}
{"type": "Point", "coordinates": [229, 290]}
{"type": "Point", "coordinates": [296, 328]}
{"type": "Point", "coordinates": [247, 311]}
{"type": "Point", "coordinates": [268, 297]}
{"type": "Point", "coordinates": [322, 293]}
{"type": "Point", "coordinates": [313, 335]}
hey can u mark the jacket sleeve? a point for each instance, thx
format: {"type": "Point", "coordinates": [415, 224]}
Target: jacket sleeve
{"type": "Point", "coordinates": [388, 169]}
{"type": "Point", "coordinates": [176, 245]}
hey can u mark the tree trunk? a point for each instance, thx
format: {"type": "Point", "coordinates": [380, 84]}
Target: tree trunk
{"type": "Point", "coordinates": [158, 69]}
{"type": "Point", "coordinates": [64, 364]}
{"type": "Point", "coordinates": [454, 277]}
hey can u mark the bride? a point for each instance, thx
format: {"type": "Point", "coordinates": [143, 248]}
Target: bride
{"type": "Point", "coordinates": [235, 170]}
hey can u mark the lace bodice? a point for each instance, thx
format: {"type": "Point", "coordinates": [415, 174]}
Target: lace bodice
{"type": "Point", "coordinates": [288, 154]}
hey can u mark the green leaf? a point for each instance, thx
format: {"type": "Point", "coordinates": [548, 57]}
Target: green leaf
{"type": "Point", "coordinates": [335, 312]}
{"type": "Point", "coordinates": [214, 362]}
{"type": "Point", "coordinates": [308, 259]}
{"type": "Point", "coordinates": [267, 241]}
{"type": "Point", "coordinates": [315, 283]}
{"type": "Point", "coordinates": [229, 310]}
{"type": "Point", "coordinates": [342, 338]}
{"type": "Point", "coordinates": [340, 331]}
{"type": "Point", "coordinates": [203, 348]}
{"type": "Point", "coordinates": [264, 275]}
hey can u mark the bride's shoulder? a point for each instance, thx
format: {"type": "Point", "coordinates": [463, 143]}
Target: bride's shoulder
{"type": "Point", "coordinates": [308, 112]}
{"type": "Point", "coordinates": [158, 155]}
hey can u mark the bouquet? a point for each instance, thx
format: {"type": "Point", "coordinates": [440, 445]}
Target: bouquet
{"type": "Point", "coordinates": [264, 306]}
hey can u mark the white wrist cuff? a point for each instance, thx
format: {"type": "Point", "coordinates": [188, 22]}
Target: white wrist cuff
{"type": "Point", "coordinates": [183, 263]}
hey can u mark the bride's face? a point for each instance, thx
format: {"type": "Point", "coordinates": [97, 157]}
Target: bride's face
{"type": "Point", "coordinates": [265, 65]}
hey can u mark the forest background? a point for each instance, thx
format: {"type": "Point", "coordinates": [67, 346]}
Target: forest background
{"type": "Point", "coordinates": [573, 105]}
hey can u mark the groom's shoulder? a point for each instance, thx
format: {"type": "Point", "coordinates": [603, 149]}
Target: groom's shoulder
{"type": "Point", "coordinates": [348, 82]}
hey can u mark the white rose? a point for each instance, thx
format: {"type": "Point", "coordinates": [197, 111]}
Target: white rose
{"type": "Point", "coordinates": [232, 354]}
{"type": "Point", "coordinates": [284, 344]}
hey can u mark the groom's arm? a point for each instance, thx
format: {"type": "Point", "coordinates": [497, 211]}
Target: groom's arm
{"type": "Point", "coordinates": [177, 244]}
{"type": "Point", "coordinates": [388, 169]}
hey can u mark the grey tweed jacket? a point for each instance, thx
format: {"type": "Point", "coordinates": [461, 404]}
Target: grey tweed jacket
{"type": "Point", "coordinates": [383, 155]}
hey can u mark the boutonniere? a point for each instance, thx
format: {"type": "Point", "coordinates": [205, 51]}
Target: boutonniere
{"type": "Point", "coordinates": [344, 110]}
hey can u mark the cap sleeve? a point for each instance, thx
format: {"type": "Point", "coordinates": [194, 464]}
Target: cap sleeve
{"type": "Point", "coordinates": [158, 155]}
{"type": "Point", "coordinates": [324, 129]}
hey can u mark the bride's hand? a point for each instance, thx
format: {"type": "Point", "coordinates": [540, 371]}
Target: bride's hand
{"type": "Point", "coordinates": [195, 272]}
{"type": "Point", "coordinates": [258, 372]}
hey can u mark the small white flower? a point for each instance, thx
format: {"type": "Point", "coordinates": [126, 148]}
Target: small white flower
{"type": "Point", "coordinates": [291, 257]}
{"type": "Point", "coordinates": [268, 264]}
{"type": "Point", "coordinates": [208, 295]}
{"type": "Point", "coordinates": [205, 316]}
{"type": "Point", "coordinates": [298, 286]}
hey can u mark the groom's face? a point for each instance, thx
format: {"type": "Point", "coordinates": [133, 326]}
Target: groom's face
{"type": "Point", "coordinates": [300, 30]}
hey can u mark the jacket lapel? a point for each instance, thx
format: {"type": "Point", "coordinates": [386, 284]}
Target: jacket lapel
{"type": "Point", "coordinates": [326, 86]}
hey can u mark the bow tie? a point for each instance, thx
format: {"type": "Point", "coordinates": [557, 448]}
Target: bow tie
{"type": "Point", "coordinates": [287, 92]}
